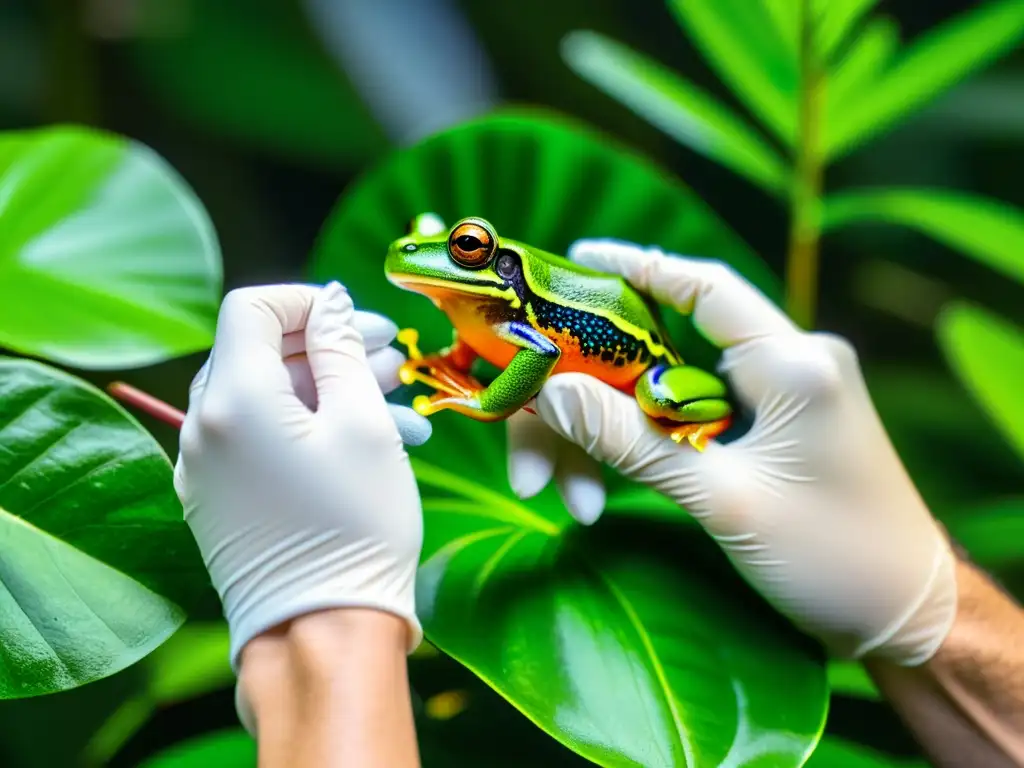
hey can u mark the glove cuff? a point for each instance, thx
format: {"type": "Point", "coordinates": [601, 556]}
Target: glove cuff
{"type": "Point", "coordinates": [916, 636]}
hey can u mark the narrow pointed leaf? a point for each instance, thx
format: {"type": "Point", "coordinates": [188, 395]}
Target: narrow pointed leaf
{"type": "Point", "coordinates": [97, 557]}
{"type": "Point", "coordinates": [837, 20]}
{"type": "Point", "coordinates": [107, 259]}
{"type": "Point", "coordinates": [859, 69]}
{"type": "Point", "coordinates": [987, 353]}
{"type": "Point", "coordinates": [675, 106]}
{"type": "Point", "coordinates": [741, 42]}
{"type": "Point", "coordinates": [941, 58]}
{"type": "Point", "coordinates": [989, 231]}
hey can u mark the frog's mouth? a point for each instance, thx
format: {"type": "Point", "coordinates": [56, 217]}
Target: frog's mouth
{"type": "Point", "coordinates": [432, 285]}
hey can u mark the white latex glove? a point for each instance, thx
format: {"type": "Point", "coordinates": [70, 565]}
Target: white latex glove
{"type": "Point", "coordinates": [293, 477]}
{"type": "Point", "coordinates": [812, 505]}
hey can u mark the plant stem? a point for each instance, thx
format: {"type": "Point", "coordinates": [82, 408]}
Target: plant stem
{"type": "Point", "coordinates": [146, 403]}
{"type": "Point", "coordinates": [805, 201]}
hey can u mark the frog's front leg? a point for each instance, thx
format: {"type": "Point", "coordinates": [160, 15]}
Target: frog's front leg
{"type": "Point", "coordinates": [446, 372]}
{"type": "Point", "coordinates": [690, 401]}
{"type": "Point", "coordinates": [512, 388]}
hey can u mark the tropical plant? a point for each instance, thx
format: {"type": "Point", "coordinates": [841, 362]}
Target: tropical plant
{"type": "Point", "coordinates": [106, 261]}
{"type": "Point", "coordinates": [631, 643]}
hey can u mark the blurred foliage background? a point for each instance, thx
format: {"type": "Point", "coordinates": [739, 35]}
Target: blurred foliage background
{"type": "Point", "coordinates": [270, 108]}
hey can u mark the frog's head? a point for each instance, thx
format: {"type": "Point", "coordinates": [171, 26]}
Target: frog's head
{"type": "Point", "coordinates": [437, 261]}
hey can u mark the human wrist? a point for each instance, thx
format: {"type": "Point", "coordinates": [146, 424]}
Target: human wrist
{"type": "Point", "coordinates": [310, 657]}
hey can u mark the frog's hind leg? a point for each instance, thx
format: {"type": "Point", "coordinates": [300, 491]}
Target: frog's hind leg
{"type": "Point", "coordinates": [689, 402]}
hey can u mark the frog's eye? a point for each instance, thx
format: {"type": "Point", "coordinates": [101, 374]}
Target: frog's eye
{"type": "Point", "coordinates": [471, 245]}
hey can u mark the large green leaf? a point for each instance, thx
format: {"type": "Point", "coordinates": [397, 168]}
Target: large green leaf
{"type": "Point", "coordinates": [633, 642]}
{"type": "Point", "coordinates": [251, 71]}
{"type": "Point", "coordinates": [676, 106]}
{"type": "Point", "coordinates": [987, 353]}
{"type": "Point", "coordinates": [989, 231]}
{"type": "Point", "coordinates": [539, 178]}
{"type": "Point", "coordinates": [942, 57]}
{"type": "Point", "coordinates": [750, 54]}
{"type": "Point", "coordinates": [97, 557]}
{"type": "Point", "coordinates": [107, 260]}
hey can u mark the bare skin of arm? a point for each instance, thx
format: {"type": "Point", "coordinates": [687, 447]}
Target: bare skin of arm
{"type": "Point", "coordinates": [966, 705]}
{"type": "Point", "coordinates": [331, 689]}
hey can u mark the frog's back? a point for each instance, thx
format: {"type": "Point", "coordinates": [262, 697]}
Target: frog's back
{"type": "Point", "coordinates": [603, 326]}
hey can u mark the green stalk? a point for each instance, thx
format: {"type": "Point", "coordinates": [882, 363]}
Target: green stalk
{"type": "Point", "coordinates": [805, 199]}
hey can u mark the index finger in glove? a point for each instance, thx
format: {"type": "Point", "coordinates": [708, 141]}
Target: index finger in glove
{"type": "Point", "coordinates": [727, 309]}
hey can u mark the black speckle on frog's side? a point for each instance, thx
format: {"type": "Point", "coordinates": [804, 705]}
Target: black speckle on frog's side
{"type": "Point", "coordinates": [597, 336]}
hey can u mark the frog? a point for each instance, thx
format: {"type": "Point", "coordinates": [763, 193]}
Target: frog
{"type": "Point", "coordinates": [533, 314]}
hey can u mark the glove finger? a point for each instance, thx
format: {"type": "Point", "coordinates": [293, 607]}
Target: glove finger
{"type": "Point", "coordinates": [609, 426]}
{"type": "Point", "coordinates": [579, 481]}
{"type": "Point", "coordinates": [532, 453]}
{"type": "Point", "coordinates": [338, 360]}
{"type": "Point", "coordinates": [377, 331]}
{"type": "Point", "coordinates": [385, 363]}
{"type": "Point", "coordinates": [412, 428]}
{"type": "Point", "coordinates": [726, 308]}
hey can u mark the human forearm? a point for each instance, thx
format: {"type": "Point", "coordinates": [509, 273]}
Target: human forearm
{"type": "Point", "coordinates": [966, 705]}
{"type": "Point", "coordinates": [331, 689]}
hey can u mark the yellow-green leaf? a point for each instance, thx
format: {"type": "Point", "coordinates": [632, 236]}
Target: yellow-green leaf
{"type": "Point", "coordinates": [987, 353]}
{"type": "Point", "coordinates": [988, 231]}
{"type": "Point", "coordinates": [675, 106]}
{"type": "Point", "coordinates": [741, 42]}
{"type": "Point", "coordinates": [937, 61]}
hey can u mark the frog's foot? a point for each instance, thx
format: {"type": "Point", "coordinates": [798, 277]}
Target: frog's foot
{"type": "Point", "coordinates": [436, 371]}
{"type": "Point", "coordinates": [698, 434]}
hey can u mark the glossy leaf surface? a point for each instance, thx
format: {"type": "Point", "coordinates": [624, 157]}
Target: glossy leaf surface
{"type": "Point", "coordinates": [987, 353]}
{"type": "Point", "coordinates": [926, 68]}
{"type": "Point", "coordinates": [748, 51]}
{"type": "Point", "coordinates": [633, 643]}
{"type": "Point", "coordinates": [250, 70]}
{"type": "Point", "coordinates": [988, 231]}
{"type": "Point", "coordinates": [107, 260]}
{"type": "Point", "coordinates": [676, 106]}
{"type": "Point", "coordinates": [96, 549]}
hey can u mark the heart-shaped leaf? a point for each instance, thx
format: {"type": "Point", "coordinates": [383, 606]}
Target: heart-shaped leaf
{"type": "Point", "coordinates": [98, 558]}
{"type": "Point", "coordinates": [540, 179]}
{"type": "Point", "coordinates": [633, 643]}
{"type": "Point", "coordinates": [107, 260]}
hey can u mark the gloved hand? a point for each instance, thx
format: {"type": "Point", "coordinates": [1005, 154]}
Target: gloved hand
{"type": "Point", "coordinates": [812, 505]}
{"type": "Point", "coordinates": [293, 476]}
